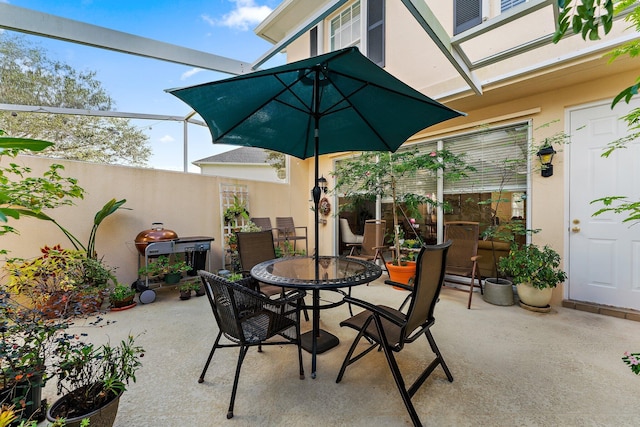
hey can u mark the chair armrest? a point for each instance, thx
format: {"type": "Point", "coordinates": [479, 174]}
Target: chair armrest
{"type": "Point", "coordinates": [398, 285]}
{"type": "Point", "coordinates": [354, 244]}
{"type": "Point", "coordinates": [376, 310]}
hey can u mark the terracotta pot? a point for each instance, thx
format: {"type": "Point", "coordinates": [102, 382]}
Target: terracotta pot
{"type": "Point", "coordinates": [533, 296]}
{"type": "Point", "coordinates": [156, 233]}
{"type": "Point", "coordinates": [401, 273]}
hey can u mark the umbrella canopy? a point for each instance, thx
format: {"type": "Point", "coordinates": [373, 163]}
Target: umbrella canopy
{"type": "Point", "coordinates": [339, 101]}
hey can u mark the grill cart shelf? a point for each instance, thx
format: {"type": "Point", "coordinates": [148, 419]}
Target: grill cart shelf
{"type": "Point", "coordinates": [195, 249]}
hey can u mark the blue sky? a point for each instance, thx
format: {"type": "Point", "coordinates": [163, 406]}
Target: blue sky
{"type": "Point", "coordinates": [221, 27]}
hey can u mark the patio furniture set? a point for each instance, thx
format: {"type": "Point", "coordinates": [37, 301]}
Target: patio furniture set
{"type": "Point", "coordinates": [247, 317]}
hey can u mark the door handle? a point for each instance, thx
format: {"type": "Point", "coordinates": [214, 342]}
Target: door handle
{"type": "Point", "coordinates": [575, 229]}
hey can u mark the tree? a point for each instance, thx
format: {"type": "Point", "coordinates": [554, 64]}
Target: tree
{"type": "Point", "coordinates": [30, 77]}
{"type": "Point", "coordinates": [589, 18]}
{"type": "Point", "coordinates": [376, 174]}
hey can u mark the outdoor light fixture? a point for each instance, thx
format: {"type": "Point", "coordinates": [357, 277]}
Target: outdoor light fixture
{"type": "Point", "coordinates": [545, 154]}
{"type": "Point", "coordinates": [322, 183]}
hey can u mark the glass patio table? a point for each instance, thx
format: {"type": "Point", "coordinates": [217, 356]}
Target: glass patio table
{"type": "Point", "coordinates": [333, 273]}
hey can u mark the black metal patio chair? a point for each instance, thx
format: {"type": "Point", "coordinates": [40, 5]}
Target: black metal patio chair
{"type": "Point", "coordinates": [389, 329]}
{"type": "Point", "coordinates": [248, 318]}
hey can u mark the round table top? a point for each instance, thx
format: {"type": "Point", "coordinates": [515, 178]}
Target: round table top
{"type": "Point", "coordinates": [299, 272]}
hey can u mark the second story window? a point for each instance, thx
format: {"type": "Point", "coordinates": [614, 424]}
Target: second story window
{"type": "Point", "coordinates": [346, 28]}
{"type": "Point", "coordinates": [508, 4]}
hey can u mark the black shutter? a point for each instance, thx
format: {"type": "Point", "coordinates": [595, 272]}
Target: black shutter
{"type": "Point", "coordinates": [466, 14]}
{"type": "Point", "coordinates": [313, 42]}
{"type": "Point", "coordinates": [375, 31]}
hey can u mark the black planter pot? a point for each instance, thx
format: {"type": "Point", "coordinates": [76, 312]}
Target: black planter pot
{"type": "Point", "coordinates": [102, 417]}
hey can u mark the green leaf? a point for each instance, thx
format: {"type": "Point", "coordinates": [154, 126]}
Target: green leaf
{"type": "Point", "coordinates": [7, 142]}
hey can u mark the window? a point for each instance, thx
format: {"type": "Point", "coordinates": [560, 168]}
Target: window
{"type": "Point", "coordinates": [467, 14]}
{"type": "Point", "coordinates": [345, 28]}
{"type": "Point", "coordinates": [313, 42]}
{"type": "Point", "coordinates": [508, 4]}
{"type": "Point", "coordinates": [496, 191]}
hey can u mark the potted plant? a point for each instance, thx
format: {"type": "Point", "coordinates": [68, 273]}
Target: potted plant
{"type": "Point", "coordinates": [91, 379]}
{"type": "Point", "coordinates": [236, 210]}
{"type": "Point", "coordinates": [162, 266]}
{"type": "Point", "coordinates": [535, 272]}
{"type": "Point", "coordinates": [27, 343]}
{"type": "Point", "coordinates": [121, 297]}
{"type": "Point", "coordinates": [60, 282]}
{"type": "Point", "coordinates": [376, 174]}
{"type": "Point", "coordinates": [186, 288]}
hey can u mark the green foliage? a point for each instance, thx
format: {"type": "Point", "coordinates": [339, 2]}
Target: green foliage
{"type": "Point", "coordinates": [162, 266]}
{"type": "Point", "coordinates": [121, 292]}
{"type": "Point", "coordinates": [22, 194]}
{"type": "Point", "coordinates": [30, 77]}
{"type": "Point", "coordinates": [236, 210]}
{"type": "Point", "coordinates": [61, 282]}
{"type": "Point", "coordinates": [633, 360]}
{"type": "Point", "coordinates": [530, 264]}
{"type": "Point", "coordinates": [234, 277]}
{"type": "Point", "coordinates": [372, 174]}
{"type": "Point", "coordinates": [94, 375]}
{"type": "Point", "coordinates": [622, 205]}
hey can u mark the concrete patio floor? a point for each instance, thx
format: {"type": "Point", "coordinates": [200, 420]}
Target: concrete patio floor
{"type": "Point", "coordinates": [511, 367]}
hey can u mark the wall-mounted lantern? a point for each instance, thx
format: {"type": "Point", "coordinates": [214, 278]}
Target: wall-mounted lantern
{"type": "Point", "coordinates": [545, 154]}
{"type": "Point", "coordinates": [322, 183]}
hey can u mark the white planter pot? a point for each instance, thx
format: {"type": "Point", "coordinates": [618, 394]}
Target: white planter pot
{"type": "Point", "coordinates": [533, 296]}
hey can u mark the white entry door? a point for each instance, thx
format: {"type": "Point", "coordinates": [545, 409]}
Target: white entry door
{"type": "Point", "coordinates": [604, 252]}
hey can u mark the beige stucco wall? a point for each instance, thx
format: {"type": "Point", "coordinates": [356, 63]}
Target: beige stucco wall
{"type": "Point", "coordinates": [189, 204]}
{"type": "Point", "coordinates": [541, 97]}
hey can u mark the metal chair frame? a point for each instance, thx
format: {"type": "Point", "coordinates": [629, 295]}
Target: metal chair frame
{"type": "Point", "coordinates": [389, 329]}
{"type": "Point", "coordinates": [248, 318]}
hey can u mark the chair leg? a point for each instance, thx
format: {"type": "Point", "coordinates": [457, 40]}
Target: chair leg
{"type": "Point", "coordinates": [397, 376]}
{"type": "Point", "coordinates": [206, 365]}
{"type": "Point", "coordinates": [436, 350]}
{"type": "Point", "coordinates": [298, 344]}
{"type": "Point", "coordinates": [347, 359]}
{"type": "Point", "coordinates": [472, 285]}
{"type": "Point", "coordinates": [241, 355]}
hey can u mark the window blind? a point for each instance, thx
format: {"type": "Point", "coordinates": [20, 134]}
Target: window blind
{"type": "Point", "coordinates": [466, 14]}
{"type": "Point", "coordinates": [499, 156]}
{"type": "Point", "coordinates": [508, 4]}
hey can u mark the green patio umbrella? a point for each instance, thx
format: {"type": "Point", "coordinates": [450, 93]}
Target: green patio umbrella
{"type": "Point", "coordinates": [340, 101]}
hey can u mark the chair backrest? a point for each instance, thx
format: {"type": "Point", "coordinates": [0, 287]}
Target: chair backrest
{"type": "Point", "coordinates": [430, 268]}
{"type": "Point", "coordinates": [346, 234]}
{"type": "Point", "coordinates": [255, 247]}
{"type": "Point", "coordinates": [464, 235]}
{"type": "Point", "coordinates": [286, 225]}
{"type": "Point", "coordinates": [227, 299]}
{"type": "Point", "coordinates": [373, 236]}
{"type": "Point", "coordinates": [263, 223]}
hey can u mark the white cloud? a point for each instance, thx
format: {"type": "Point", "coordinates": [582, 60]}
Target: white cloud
{"type": "Point", "coordinates": [190, 73]}
{"type": "Point", "coordinates": [167, 139]}
{"type": "Point", "coordinates": [246, 13]}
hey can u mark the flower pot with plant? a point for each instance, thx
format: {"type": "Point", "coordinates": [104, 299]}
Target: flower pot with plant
{"type": "Point", "coordinates": [186, 289]}
{"type": "Point", "coordinates": [91, 380]}
{"type": "Point", "coordinates": [163, 267]}
{"type": "Point", "coordinates": [122, 296]}
{"type": "Point", "coordinates": [27, 343]}
{"type": "Point", "coordinates": [61, 282]}
{"type": "Point", "coordinates": [535, 272]}
{"type": "Point", "coordinates": [373, 175]}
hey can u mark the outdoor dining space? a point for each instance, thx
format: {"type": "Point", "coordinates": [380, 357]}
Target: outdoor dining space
{"type": "Point", "coordinates": [510, 367]}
